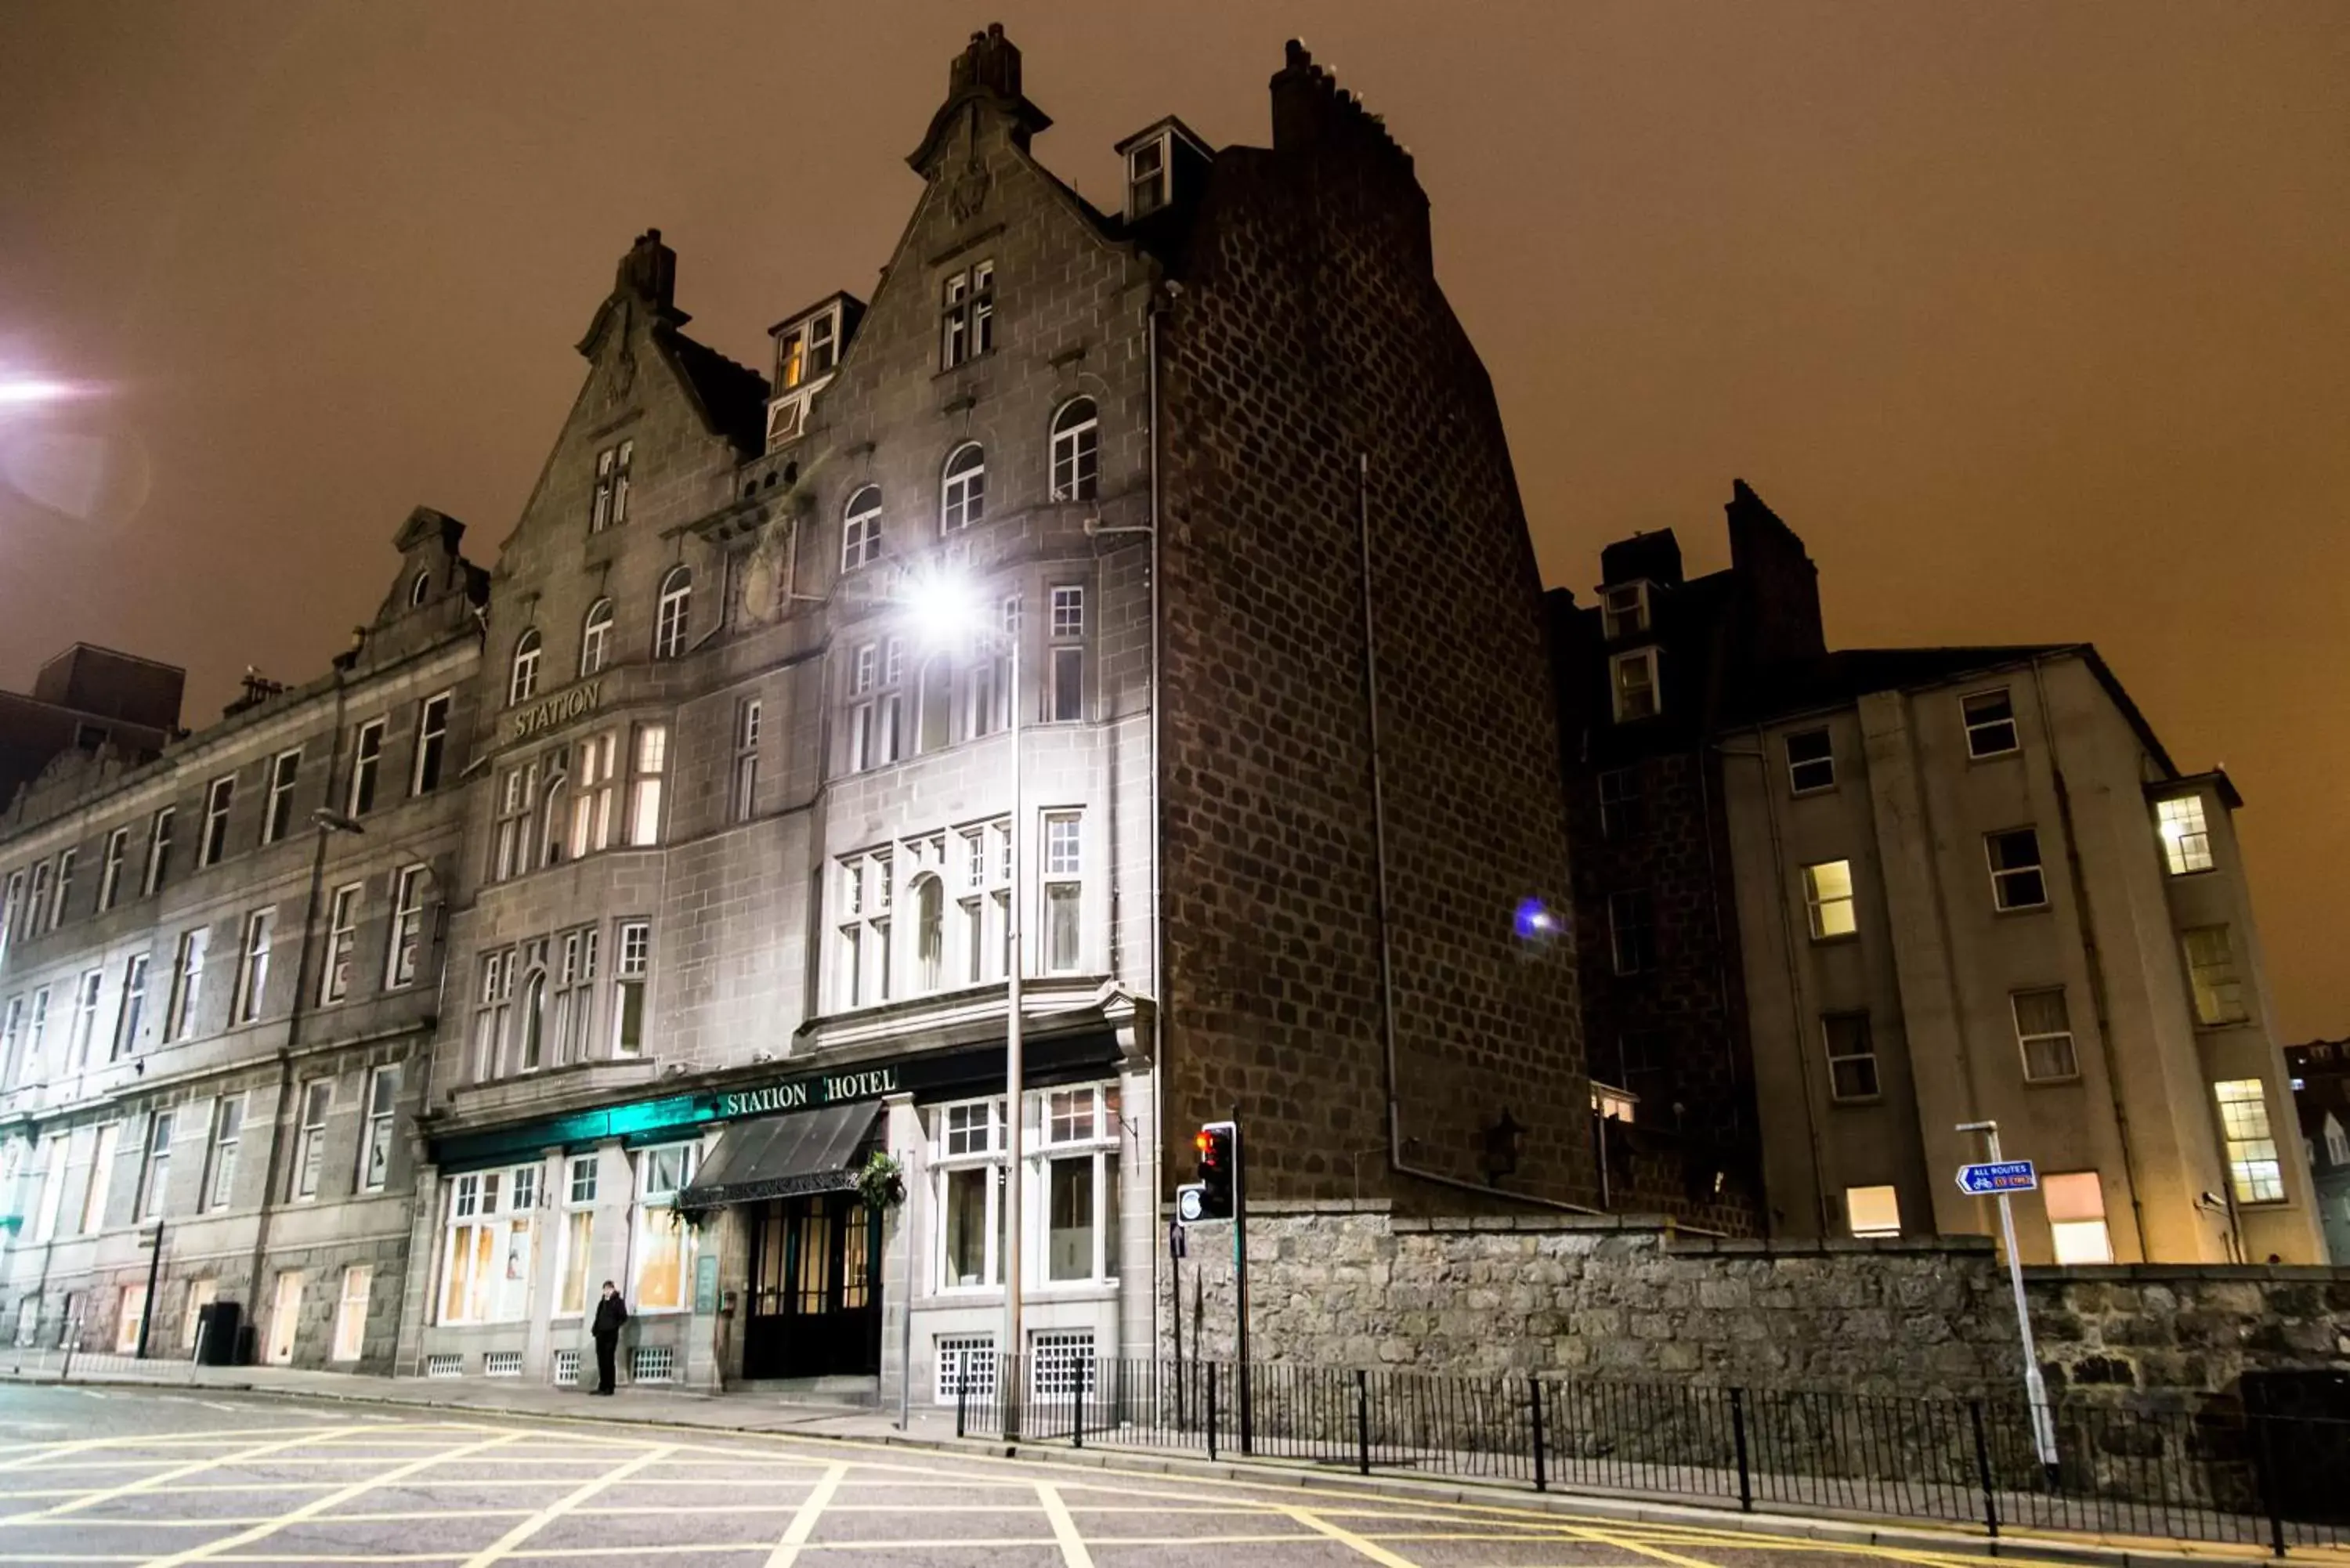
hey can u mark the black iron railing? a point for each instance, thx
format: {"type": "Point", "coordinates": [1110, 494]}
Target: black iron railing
{"type": "Point", "coordinates": [2219, 1473]}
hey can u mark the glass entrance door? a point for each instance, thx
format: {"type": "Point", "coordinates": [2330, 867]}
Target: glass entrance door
{"type": "Point", "coordinates": [815, 1289]}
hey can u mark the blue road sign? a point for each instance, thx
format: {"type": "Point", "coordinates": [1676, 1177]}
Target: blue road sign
{"type": "Point", "coordinates": [1996, 1177]}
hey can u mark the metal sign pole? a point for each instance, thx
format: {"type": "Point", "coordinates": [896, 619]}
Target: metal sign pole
{"type": "Point", "coordinates": [2035, 1388]}
{"type": "Point", "coordinates": [1175, 1281]}
{"type": "Point", "coordinates": [1239, 1274]}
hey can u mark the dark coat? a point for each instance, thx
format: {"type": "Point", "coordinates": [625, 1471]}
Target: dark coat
{"type": "Point", "coordinates": [610, 1313]}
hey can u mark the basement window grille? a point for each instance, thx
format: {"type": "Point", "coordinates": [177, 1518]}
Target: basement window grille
{"type": "Point", "coordinates": [501, 1363]}
{"type": "Point", "coordinates": [652, 1364]}
{"type": "Point", "coordinates": [1061, 1365]}
{"type": "Point", "coordinates": [567, 1369]}
{"type": "Point", "coordinates": [966, 1367]}
{"type": "Point", "coordinates": [444, 1366]}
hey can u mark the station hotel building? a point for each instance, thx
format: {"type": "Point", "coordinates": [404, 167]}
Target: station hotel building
{"type": "Point", "coordinates": [626, 885]}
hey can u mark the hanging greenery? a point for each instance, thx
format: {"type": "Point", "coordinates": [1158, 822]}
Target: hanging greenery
{"type": "Point", "coordinates": [882, 1182]}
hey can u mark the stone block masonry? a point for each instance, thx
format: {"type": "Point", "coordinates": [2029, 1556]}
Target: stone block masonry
{"type": "Point", "coordinates": [1355, 1286]}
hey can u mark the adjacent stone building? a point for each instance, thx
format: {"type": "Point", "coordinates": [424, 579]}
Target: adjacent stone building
{"type": "Point", "coordinates": [1918, 887]}
{"type": "Point", "coordinates": [2321, 1094]}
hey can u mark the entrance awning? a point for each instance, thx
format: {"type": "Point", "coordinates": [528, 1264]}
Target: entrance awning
{"type": "Point", "coordinates": [781, 1157]}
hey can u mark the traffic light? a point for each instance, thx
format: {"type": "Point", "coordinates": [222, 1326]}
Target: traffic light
{"type": "Point", "coordinates": [1219, 1169]}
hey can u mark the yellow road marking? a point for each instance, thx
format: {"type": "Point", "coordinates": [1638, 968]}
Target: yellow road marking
{"type": "Point", "coordinates": [1065, 1529]}
{"type": "Point", "coordinates": [1624, 1543]}
{"type": "Point", "coordinates": [1346, 1537]}
{"type": "Point", "coordinates": [156, 1482]}
{"type": "Point", "coordinates": [317, 1506]}
{"type": "Point", "coordinates": [563, 1505]}
{"type": "Point", "coordinates": [802, 1524]}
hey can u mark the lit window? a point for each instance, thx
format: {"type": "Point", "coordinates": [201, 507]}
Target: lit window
{"type": "Point", "coordinates": [2211, 971]}
{"type": "Point", "coordinates": [1633, 680]}
{"type": "Point", "coordinates": [485, 1270]}
{"type": "Point", "coordinates": [2186, 842]}
{"type": "Point", "coordinates": [1631, 931]}
{"type": "Point", "coordinates": [860, 529]}
{"type": "Point", "coordinates": [2076, 1217]}
{"type": "Point", "coordinates": [1873, 1210]}
{"type": "Point", "coordinates": [1852, 1056]}
{"type": "Point", "coordinates": [1612, 1105]}
{"type": "Point", "coordinates": [595, 637]}
{"type": "Point", "coordinates": [522, 685]}
{"type": "Point", "coordinates": [592, 785]}
{"type": "Point", "coordinates": [1827, 894]}
{"type": "Point", "coordinates": [652, 763]}
{"type": "Point", "coordinates": [493, 1013]}
{"type": "Point", "coordinates": [670, 617]}
{"type": "Point", "coordinates": [2253, 1164]}
{"type": "Point", "coordinates": [1990, 723]}
{"type": "Point", "coordinates": [1146, 177]}
{"type": "Point", "coordinates": [967, 315]}
{"type": "Point", "coordinates": [1076, 451]}
{"type": "Point", "coordinates": [664, 1249]}
{"type": "Point", "coordinates": [1811, 761]}
{"type": "Point", "coordinates": [2016, 882]}
{"type": "Point", "coordinates": [963, 499]}
{"type": "Point", "coordinates": [572, 1244]}
{"type": "Point", "coordinates": [1623, 610]}
{"type": "Point", "coordinates": [2043, 1033]}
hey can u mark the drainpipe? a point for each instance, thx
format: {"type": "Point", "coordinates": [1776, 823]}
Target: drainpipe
{"type": "Point", "coordinates": [1158, 824]}
{"type": "Point", "coordinates": [1396, 1161]}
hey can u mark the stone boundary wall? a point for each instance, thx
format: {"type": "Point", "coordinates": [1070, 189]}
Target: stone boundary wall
{"type": "Point", "coordinates": [1353, 1286]}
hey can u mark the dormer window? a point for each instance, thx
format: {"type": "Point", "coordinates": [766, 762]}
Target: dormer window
{"type": "Point", "coordinates": [1146, 177]}
{"type": "Point", "coordinates": [807, 351]}
{"type": "Point", "coordinates": [1623, 610]}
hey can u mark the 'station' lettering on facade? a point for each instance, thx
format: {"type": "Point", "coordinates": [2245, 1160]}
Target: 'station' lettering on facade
{"type": "Point", "coordinates": [560, 709]}
{"type": "Point", "coordinates": [799, 1094]}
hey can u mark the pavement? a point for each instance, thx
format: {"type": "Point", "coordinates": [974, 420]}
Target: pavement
{"type": "Point", "coordinates": [278, 1465]}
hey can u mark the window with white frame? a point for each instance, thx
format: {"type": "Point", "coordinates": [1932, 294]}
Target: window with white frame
{"type": "Point", "coordinates": [530, 1014]}
{"type": "Point", "coordinates": [133, 1015]}
{"type": "Point", "coordinates": [1811, 761]}
{"type": "Point", "coordinates": [860, 529]}
{"type": "Point", "coordinates": [1065, 658]}
{"type": "Point", "coordinates": [37, 907]}
{"type": "Point", "coordinates": [967, 315]}
{"type": "Point", "coordinates": [65, 860]}
{"type": "Point", "coordinates": [218, 796]}
{"type": "Point", "coordinates": [406, 927]}
{"type": "Point", "coordinates": [649, 766]}
{"type": "Point", "coordinates": [664, 1254]}
{"type": "Point", "coordinates": [2252, 1165]}
{"type": "Point", "coordinates": [102, 1178]}
{"type": "Point", "coordinates": [1063, 890]}
{"type": "Point", "coordinates": [1623, 610]}
{"type": "Point", "coordinates": [930, 933]}
{"type": "Point", "coordinates": [12, 1036]}
{"type": "Point", "coordinates": [1146, 177]}
{"type": "Point", "coordinates": [672, 613]}
{"type": "Point", "coordinates": [342, 943]}
{"type": "Point", "coordinates": [2185, 838]}
{"type": "Point", "coordinates": [747, 716]}
{"type": "Point", "coordinates": [37, 1036]}
{"type": "Point", "coordinates": [966, 1171]}
{"type": "Point", "coordinates": [1989, 718]}
{"type": "Point", "coordinates": [84, 1028]}
{"type": "Point", "coordinates": [984, 940]}
{"type": "Point", "coordinates": [573, 1243]}
{"type": "Point", "coordinates": [608, 507]}
{"type": "Point", "coordinates": [493, 1013]}
{"type": "Point", "coordinates": [573, 1005]}
{"type": "Point", "coordinates": [352, 1314]}
{"type": "Point", "coordinates": [2017, 881]}
{"type": "Point", "coordinates": [596, 638]}
{"type": "Point", "coordinates": [517, 807]}
{"type": "Point", "coordinates": [1633, 682]}
{"type": "Point", "coordinates": [367, 765]}
{"type": "Point", "coordinates": [374, 1137]}
{"type": "Point", "coordinates": [12, 910]}
{"type": "Point", "coordinates": [228, 1132]}
{"type": "Point", "coordinates": [277, 815]}
{"type": "Point", "coordinates": [2211, 973]}
{"type": "Point", "coordinates": [253, 968]}
{"type": "Point", "coordinates": [1828, 896]}
{"type": "Point", "coordinates": [310, 1136]}
{"type": "Point", "coordinates": [159, 853]}
{"type": "Point", "coordinates": [53, 1193]}
{"type": "Point", "coordinates": [492, 1226]}
{"type": "Point", "coordinates": [1076, 451]}
{"type": "Point", "coordinates": [155, 1167]}
{"type": "Point", "coordinates": [594, 780]}
{"type": "Point", "coordinates": [1852, 1056]}
{"type": "Point", "coordinates": [2043, 1033]}
{"type": "Point", "coordinates": [1079, 1155]}
{"type": "Point", "coordinates": [109, 870]}
{"type": "Point", "coordinates": [1632, 931]}
{"type": "Point", "coordinates": [2076, 1202]}
{"type": "Point", "coordinates": [180, 1010]}
{"type": "Point", "coordinates": [432, 744]}
{"type": "Point", "coordinates": [866, 895]}
{"type": "Point", "coordinates": [631, 977]}
{"type": "Point", "coordinates": [962, 488]}
{"type": "Point", "coordinates": [988, 692]}
{"type": "Point", "coordinates": [522, 679]}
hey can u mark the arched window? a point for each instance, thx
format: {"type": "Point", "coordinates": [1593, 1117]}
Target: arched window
{"type": "Point", "coordinates": [930, 934]}
{"type": "Point", "coordinates": [595, 640]}
{"type": "Point", "coordinates": [962, 498]}
{"type": "Point", "coordinates": [524, 684]}
{"type": "Point", "coordinates": [418, 588]}
{"type": "Point", "coordinates": [553, 819]}
{"type": "Point", "coordinates": [936, 697]}
{"type": "Point", "coordinates": [860, 529]}
{"type": "Point", "coordinates": [668, 620]}
{"type": "Point", "coordinates": [533, 1020]}
{"type": "Point", "coordinates": [1076, 456]}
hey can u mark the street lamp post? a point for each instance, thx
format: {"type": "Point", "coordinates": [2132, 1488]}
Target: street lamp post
{"type": "Point", "coordinates": [1013, 1067]}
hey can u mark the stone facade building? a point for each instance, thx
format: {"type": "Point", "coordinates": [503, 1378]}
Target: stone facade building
{"type": "Point", "coordinates": [2321, 1094]}
{"type": "Point", "coordinates": [721, 861]}
{"type": "Point", "coordinates": [1930, 887]}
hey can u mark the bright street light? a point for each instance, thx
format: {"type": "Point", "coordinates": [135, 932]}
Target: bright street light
{"type": "Point", "coordinates": [29, 389]}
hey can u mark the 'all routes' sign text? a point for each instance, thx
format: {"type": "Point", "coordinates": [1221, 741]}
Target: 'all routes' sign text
{"type": "Point", "coordinates": [1996, 1177]}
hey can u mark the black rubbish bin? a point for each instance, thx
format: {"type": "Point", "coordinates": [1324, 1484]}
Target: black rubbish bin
{"type": "Point", "coordinates": [217, 1325]}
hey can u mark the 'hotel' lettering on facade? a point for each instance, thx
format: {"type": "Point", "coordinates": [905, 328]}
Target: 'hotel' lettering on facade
{"type": "Point", "coordinates": [799, 1094]}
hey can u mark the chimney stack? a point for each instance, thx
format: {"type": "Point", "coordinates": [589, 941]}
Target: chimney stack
{"type": "Point", "coordinates": [650, 272]}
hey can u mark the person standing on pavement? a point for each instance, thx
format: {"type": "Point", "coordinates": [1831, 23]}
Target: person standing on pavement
{"type": "Point", "coordinates": [610, 1313]}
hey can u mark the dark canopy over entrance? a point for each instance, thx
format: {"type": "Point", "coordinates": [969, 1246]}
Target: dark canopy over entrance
{"type": "Point", "coordinates": [784, 1157]}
